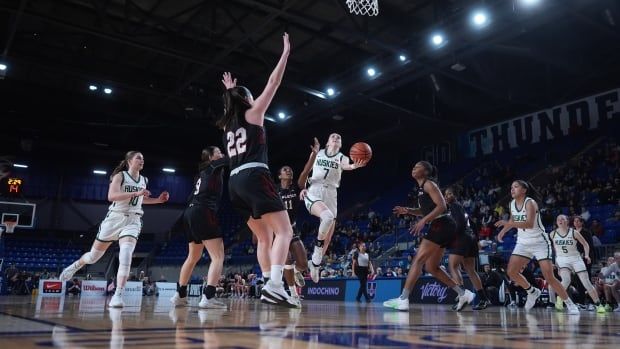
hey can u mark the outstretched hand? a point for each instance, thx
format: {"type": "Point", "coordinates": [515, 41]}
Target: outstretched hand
{"type": "Point", "coordinates": [228, 81]}
{"type": "Point", "coordinates": [316, 146]}
{"type": "Point", "coordinates": [287, 44]}
{"type": "Point", "coordinates": [164, 196]}
{"type": "Point", "coordinates": [399, 210]}
{"type": "Point", "coordinates": [359, 163]}
{"type": "Point", "coordinates": [302, 194]}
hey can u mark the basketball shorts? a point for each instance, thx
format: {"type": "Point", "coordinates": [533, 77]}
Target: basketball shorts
{"type": "Point", "coordinates": [464, 245]}
{"type": "Point", "coordinates": [201, 224]}
{"type": "Point", "coordinates": [574, 263]}
{"type": "Point", "coordinates": [539, 249]}
{"type": "Point", "coordinates": [253, 193]}
{"type": "Point", "coordinates": [327, 194]}
{"type": "Point", "coordinates": [442, 231]}
{"type": "Point", "coordinates": [117, 225]}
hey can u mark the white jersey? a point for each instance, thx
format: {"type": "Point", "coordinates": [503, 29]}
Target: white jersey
{"type": "Point", "coordinates": [536, 233]}
{"type": "Point", "coordinates": [130, 185]}
{"type": "Point", "coordinates": [327, 170]}
{"type": "Point", "coordinates": [565, 245]}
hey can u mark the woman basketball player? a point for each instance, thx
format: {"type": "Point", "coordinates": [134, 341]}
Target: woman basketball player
{"type": "Point", "coordinates": [464, 251]}
{"type": "Point", "coordinates": [251, 188]}
{"type": "Point", "coordinates": [123, 223]}
{"type": "Point", "coordinates": [289, 193]}
{"type": "Point", "coordinates": [321, 197]}
{"type": "Point", "coordinates": [568, 260]}
{"type": "Point", "coordinates": [433, 210]}
{"type": "Point", "coordinates": [532, 241]}
{"type": "Point", "coordinates": [202, 226]}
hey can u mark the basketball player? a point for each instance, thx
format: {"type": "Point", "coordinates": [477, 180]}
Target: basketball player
{"type": "Point", "coordinates": [289, 193]}
{"type": "Point", "coordinates": [433, 210]}
{"type": "Point", "coordinates": [464, 251]}
{"type": "Point", "coordinates": [532, 241]}
{"type": "Point", "coordinates": [123, 223]}
{"type": "Point", "coordinates": [568, 260]}
{"type": "Point", "coordinates": [201, 222]}
{"type": "Point", "coordinates": [611, 275]}
{"type": "Point", "coordinates": [251, 188]}
{"type": "Point", "coordinates": [321, 197]}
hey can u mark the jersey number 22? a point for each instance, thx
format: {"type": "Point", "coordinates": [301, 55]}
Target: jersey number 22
{"type": "Point", "coordinates": [236, 142]}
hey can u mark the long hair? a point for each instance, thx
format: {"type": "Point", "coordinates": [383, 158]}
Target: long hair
{"type": "Point", "coordinates": [205, 157]}
{"type": "Point", "coordinates": [124, 164]}
{"type": "Point", "coordinates": [431, 170]}
{"type": "Point", "coordinates": [530, 190]}
{"type": "Point", "coordinates": [235, 105]}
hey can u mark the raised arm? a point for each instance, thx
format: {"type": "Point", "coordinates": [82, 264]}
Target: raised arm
{"type": "Point", "coordinates": [163, 197]}
{"type": "Point", "coordinates": [303, 176]}
{"type": "Point", "coordinates": [256, 114]}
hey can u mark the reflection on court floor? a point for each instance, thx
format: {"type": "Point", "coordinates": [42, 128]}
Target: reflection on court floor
{"type": "Point", "coordinates": [87, 322]}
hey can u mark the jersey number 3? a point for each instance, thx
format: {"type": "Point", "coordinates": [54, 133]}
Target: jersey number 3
{"type": "Point", "coordinates": [236, 142]}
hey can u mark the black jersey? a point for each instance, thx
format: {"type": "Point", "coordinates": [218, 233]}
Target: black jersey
{"type": "Point", "coordinates": [245, 143]}
{"type": "Point", "coordinates": [209, 185]}
{"type": "Point", "coordinates": [290, 198]}
{"type": "Point", "coordinates": [458, 214]}
{"type": "Point", "coordinates": [425, 202]}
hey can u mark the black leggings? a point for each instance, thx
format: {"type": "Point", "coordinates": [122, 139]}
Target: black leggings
{"type": "Point", "coordinates": [362, 274]}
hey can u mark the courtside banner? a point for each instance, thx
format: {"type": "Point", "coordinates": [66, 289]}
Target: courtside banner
{"type": "Point", "coordinates": [52, 287]}
{"type": "Point", "coordinates": [166, 289]}
{"type": "Point", "coordinates": [326, 290]}
{"type": "Point", "coordinates": [379, 290]}
{"type": "Point", "coordinates": [133, 288]}
{"type": "Point", "coordinates": [94, 288]}
{"type": "Point", "coordinates": [430, 291]}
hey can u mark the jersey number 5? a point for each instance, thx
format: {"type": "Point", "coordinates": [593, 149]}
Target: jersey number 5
{"type": "Point", "coordinates": [236, 142]}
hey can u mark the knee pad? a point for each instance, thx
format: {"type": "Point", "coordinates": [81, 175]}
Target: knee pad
{"type": "Point", "coordinates": [124, 258]}
{"type": "Point", "coordinates": [92, 256]}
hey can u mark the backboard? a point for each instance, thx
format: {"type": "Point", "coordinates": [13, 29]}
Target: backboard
{"type": "Point", "coordinates": [22, 213]}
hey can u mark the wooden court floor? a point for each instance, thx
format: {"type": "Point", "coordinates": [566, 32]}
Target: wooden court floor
{"type": "Point", "coordinates": [73, 322]}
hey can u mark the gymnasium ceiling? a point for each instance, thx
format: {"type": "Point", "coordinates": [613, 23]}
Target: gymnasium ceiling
{"type": "Point", "coordinates": [164, 60]}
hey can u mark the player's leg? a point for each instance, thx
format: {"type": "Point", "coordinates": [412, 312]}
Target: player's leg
{"type": "Point", "coordinates": [126, 244]}
{"type": "Point", "coordinates": [264, 241]}
{"type": "Point", "coordinates": [330, 198]}
{"type": "Point", "coordinates": [289, 274]}
{"type": "Point", "coordinates": [327, 218]}
{"type": "Point", "coordinates": [97, 251]}
{"type": "Point", "coordinates": [469, 264]}
{"type": "Point", "coordinates": [454, 266]}
{"type": "Point", "coordinates": [193, 256]}
{"type": "Point", "coordinates": [587, 284]}
{"type": "Point", "coordinates": [566, 276]}
{"type": "Point", "coordinates": [432, 266]}
{"type": "Point", "coordinates": [546, 267]}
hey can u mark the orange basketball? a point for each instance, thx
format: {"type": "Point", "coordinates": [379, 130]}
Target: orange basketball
{"type": "Point", "coordinates": [360, 151]}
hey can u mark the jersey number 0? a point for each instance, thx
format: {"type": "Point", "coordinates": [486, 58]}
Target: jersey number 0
{"type": "Point", "coordinates": [236, 142]}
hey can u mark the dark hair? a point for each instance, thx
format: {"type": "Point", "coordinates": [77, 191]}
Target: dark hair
{"type": "Point", "coordinates": [235, 105]}
{"type": "Point", "coordinates": [430, 169]}
{"type": "Point", "coordinates": [454, 191]}
{"type": "Point", "coordinates": [124, 164]}
{"type": "Point", "coordinates": [205, 157]}
{"type": "Point", "coordinates": [573, 218]}
{"type": "Point", "coordinates": [530, 190]}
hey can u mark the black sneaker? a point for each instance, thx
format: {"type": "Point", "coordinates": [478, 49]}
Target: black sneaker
{"type": "Point", "coordinates": [483, 304]}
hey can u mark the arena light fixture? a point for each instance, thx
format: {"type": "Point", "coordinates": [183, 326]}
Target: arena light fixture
{"type": "Point", "coordinates": [330, 91]}
{"type": "Point", "coordinates": [529, 2]}
{"type": "Point", "coordinates": [437, 40]}
{"type": "Point", "coordinates": [107, 90]}
{"type": "Point", "coordinates": [100, 172]}
{"type": "Point", "coordinates": [3, 66]}
{"type": "Point", "coordinates": [479, 18]}
{"type": "Point", "coordinates": [20, 165]}
{"type": "Point", "coordinates": [281, 115]}
{"type": "Point", "coordinates": [168, 170]}
{"type": "Point", "coordinates": [402, 58]}
{"type": "Point", "coordinates": [92, 87]}
{"type": "Point", "coordinates": [371, 71]}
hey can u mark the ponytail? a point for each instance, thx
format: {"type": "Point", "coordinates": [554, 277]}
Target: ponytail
{"type": "Point", "coordinates": [123, 165]}
{"type": "Point", "coordinates": [431, 171]}
{"type": "Point", "coordinates": [235, 105]}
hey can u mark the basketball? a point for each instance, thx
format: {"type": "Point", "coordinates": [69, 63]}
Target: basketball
{"type": "Point", "coordinates": [360, 151]}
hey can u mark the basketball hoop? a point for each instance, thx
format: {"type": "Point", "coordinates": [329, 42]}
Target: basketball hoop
{"type": "Point", "coordinates": [364, 7]}
{"type": "Point", "coordinates": [10, 226]}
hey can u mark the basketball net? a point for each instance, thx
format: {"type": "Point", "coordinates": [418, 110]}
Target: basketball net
{"type": "Point", "coordinates": [364, 7]}
{"type": "Point", "coordinates": [10, 226]}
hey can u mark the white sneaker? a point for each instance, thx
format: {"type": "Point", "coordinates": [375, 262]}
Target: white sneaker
{"type": "Point", "coordinates": [314, 272]}
{"type": "Point", "coordinates": [267, 300]}
{"type": "Point", "coordinates": [617, 310]}
{"type": "Point", "coordinates": [177, 301]}
{"type": "Point", "coordinates": [397, 303]}
{"type": "Point", "coordinates": [591, 307]}
{"type": "Point", "coordinates": [297, 301]}
{"type": "Point", "coordinates": [279, 295]}
{"type": "Point", "coordinates": [116, 301]}
{"type": "Point", "coordinates": [68, 272]}
{"type": "Point", "coordinates": [531, 299]}
{"type": "Point", "coordinates": [572, 309]}
{"type": "Point", "coordinates": [299, 279]}
{"type": "Point", "coordinates": [211, 303]}
{"type": "Point", "coordinates": [466, 298]}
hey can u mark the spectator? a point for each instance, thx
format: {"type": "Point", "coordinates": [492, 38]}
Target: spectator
{"type": "Point", "coordinates": [74, 287]}
{"type": "Point", "coordinates": [491, 281]}
{"type": "Point", "coordinates": [597, 228]}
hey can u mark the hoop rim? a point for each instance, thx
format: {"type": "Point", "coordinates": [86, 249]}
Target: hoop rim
{"type": "Point", "coordinates": [10, 226]}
